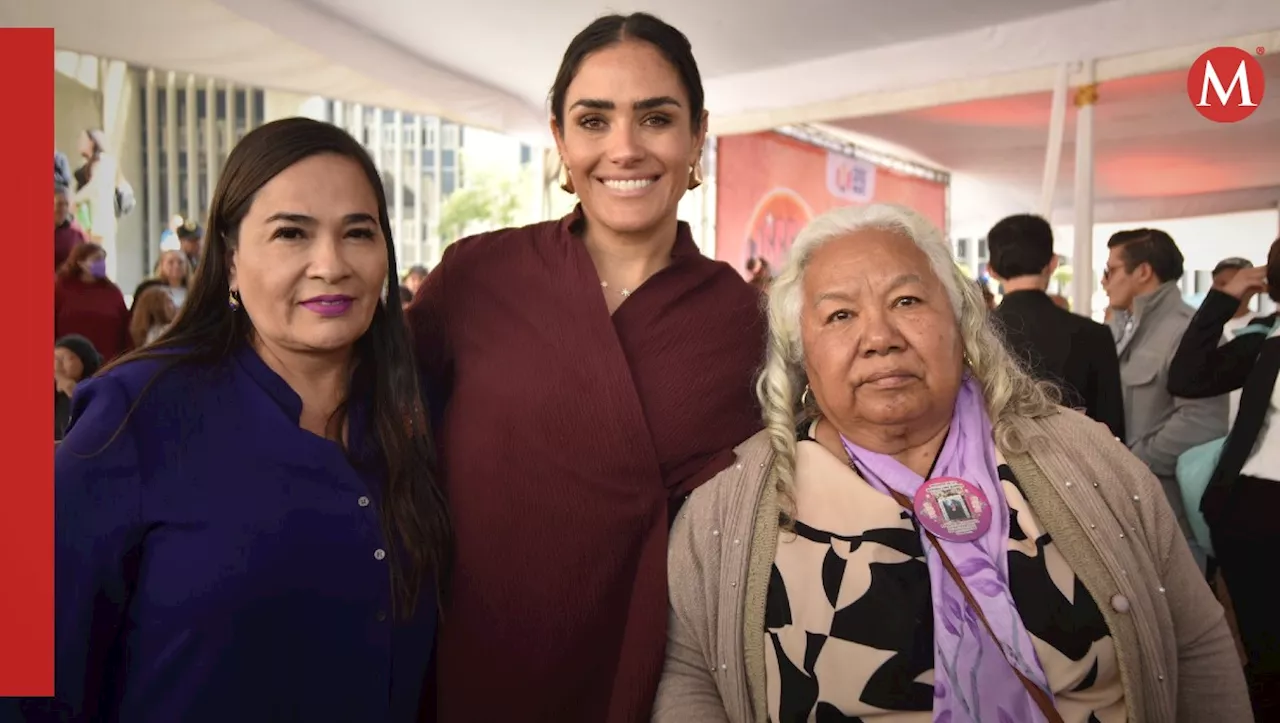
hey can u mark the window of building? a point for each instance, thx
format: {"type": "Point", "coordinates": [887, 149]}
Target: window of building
{"type": "Point", "coordinates": [259, 107]}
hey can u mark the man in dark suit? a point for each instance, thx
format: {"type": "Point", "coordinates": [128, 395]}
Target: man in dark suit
{"type": "Point", "coordinates": [1077, 354]}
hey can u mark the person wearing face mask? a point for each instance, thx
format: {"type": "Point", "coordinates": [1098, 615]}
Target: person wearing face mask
{"type": "Point", "coordinates": [87, 303]}
{"type": "Point", "coordinates": [597, 369]}
{"type": "Point", "coordinates": [67, 233]}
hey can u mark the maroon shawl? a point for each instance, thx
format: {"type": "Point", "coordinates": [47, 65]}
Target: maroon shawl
{"type": "Point", "coordinates": [568, 437]}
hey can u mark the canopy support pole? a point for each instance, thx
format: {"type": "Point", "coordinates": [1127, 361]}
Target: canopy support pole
{"type": "Point", "coordinates": [1053, 150]}
{"type": "Point", "coordinates": [1082, 257]}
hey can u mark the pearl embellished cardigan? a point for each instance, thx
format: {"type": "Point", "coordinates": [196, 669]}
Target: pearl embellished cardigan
{"type": "Point", "coordinates": [1108, 517]}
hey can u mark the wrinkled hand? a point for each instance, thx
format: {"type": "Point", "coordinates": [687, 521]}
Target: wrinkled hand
{"type": "Point", "coordinates": [1247, 282]}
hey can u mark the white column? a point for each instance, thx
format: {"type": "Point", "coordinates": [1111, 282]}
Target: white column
{"type": "Point", "coordinates": [340, 116]}
{"type": "Point", "coordinates": [154, 222]}
{"type": "Point", "coordinates": [437, 194]}
{"type": "Point", "coordinates": [710, 186]}
{"type": "Point", "coordinates": [548, 180]}
{"type": "Point", "coordinates": [1053, 150]}
{"type": "Point", "coordinates": [1082, 253]}
{"type": "Point", "coordinates": [397, 188]}
{"type": "Point", "coordinates": [229, 137]}
{"type": "Point", "coordinates": [250, 109]}
{"type": "Point", "coordinates": [375, 139]}
{"type": "Point", "coordinates": [193, 153]}
{"type": "Point", "coordinates": [210, 141]}
{"type": "Point", "coordinates": [418, 230]}
{"type": "Point", "coordinates": [171, 146]}
{"type": "Point", "coordinates": [357, 124]}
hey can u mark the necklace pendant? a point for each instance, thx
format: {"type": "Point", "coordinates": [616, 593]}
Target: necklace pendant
{"type": "Point", "coordinates": [625, 293]}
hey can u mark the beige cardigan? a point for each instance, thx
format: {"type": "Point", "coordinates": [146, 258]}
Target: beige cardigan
{"type": "Point", "coordinates": [1108, 517]}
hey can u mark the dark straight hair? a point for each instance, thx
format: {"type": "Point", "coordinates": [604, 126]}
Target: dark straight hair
{"type": "Point", "coordinates": [1149, 246]}
{"type": "Point", "coordinates": [1020, 245]}
{"type": "Point", "coordinates": [207, 330]}
{"type": "Point", "coordinates": [613, 29]}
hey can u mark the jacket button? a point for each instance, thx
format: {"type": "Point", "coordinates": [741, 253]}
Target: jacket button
{"type": "Point", "coordinates": [1120, 603]}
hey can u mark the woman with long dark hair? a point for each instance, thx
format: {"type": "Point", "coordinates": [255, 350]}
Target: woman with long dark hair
{"type": "Point", "coordinates": [249, 527]}
{"type": "Point", "coordinates": [598, 369]}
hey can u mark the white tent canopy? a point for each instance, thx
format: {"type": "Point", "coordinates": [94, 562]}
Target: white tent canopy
{"type": "Point", "coordinates": [1155, 156]}
{"type": "Point", "coordinates": [964, 83]}
{"type": "Point", "coordinates": [489, 62]}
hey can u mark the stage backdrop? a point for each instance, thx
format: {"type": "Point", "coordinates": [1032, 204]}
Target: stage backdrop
{"type": "Point", "coordinates": [770, 185]}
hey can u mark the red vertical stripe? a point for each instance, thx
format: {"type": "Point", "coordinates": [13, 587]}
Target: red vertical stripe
{"type": "Point", "coordinates": [26, 488]}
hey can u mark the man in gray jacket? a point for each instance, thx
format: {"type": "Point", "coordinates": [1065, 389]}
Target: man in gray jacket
{"type": "Point", "coordinates": [1149, 316]}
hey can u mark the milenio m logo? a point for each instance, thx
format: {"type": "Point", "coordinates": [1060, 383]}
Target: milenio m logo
{"type": "Point", "coordinates": [1226, 84]}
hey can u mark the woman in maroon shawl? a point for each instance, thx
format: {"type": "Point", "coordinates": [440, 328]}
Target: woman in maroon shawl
{"type": "Point", "coordinates": [594, 370]}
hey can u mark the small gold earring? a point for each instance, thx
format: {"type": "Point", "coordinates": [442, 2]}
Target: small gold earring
{"type": "Point", "coordinates": [695, 174]}
{"type": "Point", "coordinates": [233, 300]}
{"type": "Point", "coordinates": [805, 397]}
{"type": "Point", "coordinates": [566, 181]}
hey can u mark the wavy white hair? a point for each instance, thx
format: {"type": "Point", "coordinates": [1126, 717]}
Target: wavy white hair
{"type": "Point", "coordinates": [1009, 391]}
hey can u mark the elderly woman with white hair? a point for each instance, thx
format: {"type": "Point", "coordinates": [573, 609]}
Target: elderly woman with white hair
{"type": "Point", "coordinates": [921, 533]}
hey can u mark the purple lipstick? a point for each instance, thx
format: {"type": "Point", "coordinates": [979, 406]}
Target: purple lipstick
{"type": "Point", "coordinates": [329, 305]}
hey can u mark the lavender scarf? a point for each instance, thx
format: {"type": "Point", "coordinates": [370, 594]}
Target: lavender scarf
{"type": "Point", "coordinates": [973, 682]}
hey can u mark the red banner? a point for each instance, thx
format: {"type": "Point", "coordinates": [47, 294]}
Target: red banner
{"type": "Point", "coordinates": [26, 510]}
{"type": "Point", "coordinates": [768, 186]}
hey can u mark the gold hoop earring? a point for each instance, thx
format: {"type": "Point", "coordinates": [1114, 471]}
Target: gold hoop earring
{"type": "Point", "coordinates": [233, 300]}
{"type": "Point", "coordinates": [805, 397]}
{"type": "Point", "coordinates": [566, 181]}
{"type": "Point", "coordinates": [695, 174]}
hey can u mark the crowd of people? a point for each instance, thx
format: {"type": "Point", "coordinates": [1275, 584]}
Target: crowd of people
{"type": "Point", "coordinates": [580, 472]}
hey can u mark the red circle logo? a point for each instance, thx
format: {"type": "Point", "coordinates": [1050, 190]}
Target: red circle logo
{"type": "Point", "coordinates": [1226, 85]}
